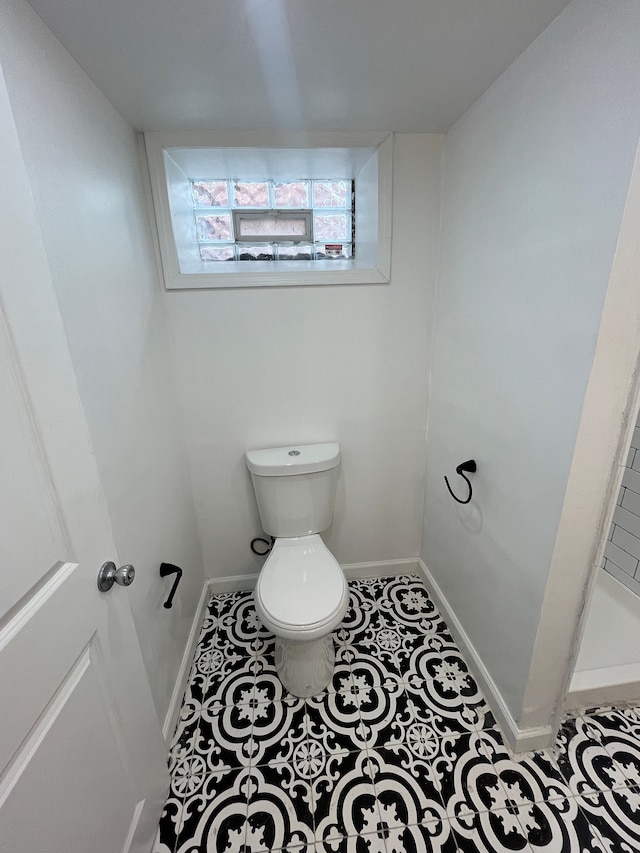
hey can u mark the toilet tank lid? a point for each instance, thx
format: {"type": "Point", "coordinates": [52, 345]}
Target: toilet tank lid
{"type": "Point", "coordinates": [293, 459]}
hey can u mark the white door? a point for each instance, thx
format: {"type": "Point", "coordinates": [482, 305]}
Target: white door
{"type": "Point", "coordinates": [82, 759]}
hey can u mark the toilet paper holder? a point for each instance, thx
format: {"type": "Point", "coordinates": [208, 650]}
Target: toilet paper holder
{"type": "Point", "coordinates": [471, 467]}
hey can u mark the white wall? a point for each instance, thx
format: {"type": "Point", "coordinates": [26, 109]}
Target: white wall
{"type": "Point", "coordinates": [269, 366]}
{"type": "Point", "coordinates": [535, 180]}
{"type": "Point", "coordinates": [82, 163]}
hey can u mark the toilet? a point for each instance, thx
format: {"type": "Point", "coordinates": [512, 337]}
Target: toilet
{"type": "Point", "coordinates": [302, 593]}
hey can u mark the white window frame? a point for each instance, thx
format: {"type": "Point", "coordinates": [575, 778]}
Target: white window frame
{"type": "Point", "coordinates": [173, 210]}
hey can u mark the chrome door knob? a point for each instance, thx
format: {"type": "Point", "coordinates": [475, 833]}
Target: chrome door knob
{"type": "Point", "coordinates": [108, 575]}
{"type": "Point", "coordinates": [125, 575]}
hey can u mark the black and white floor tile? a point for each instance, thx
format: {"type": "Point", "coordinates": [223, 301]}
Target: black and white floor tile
{"type": "Point", "coordinates": [399, 753]}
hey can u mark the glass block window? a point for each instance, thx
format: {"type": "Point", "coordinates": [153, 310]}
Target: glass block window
{"type": "Point", "coordinates": [332, 226]}
{"type": "Point", "coordinates": [216, 227]}
{"type": "Point", "coordinates": [306, 219]}
{"type": "Point", "coordinates": [250, 194]}
{"type": "Point", "coordinates": [291, 194]}
{"type": "Point", "coordinates": [331, 193]}
{"type": "Point", "coordinates": [211, 193]}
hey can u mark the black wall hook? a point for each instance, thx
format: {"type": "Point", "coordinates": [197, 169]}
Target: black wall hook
{"type": "Point", "coordinates": [469, 465]}
{"type": "Point", "coordinates": [170, 569]}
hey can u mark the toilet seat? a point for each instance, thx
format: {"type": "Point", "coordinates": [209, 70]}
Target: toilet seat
{"type": "Point", "coordinates": [302, 593]}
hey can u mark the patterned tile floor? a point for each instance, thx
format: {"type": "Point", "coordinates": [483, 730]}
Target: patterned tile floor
{"type": "Point", "coordinates": [400, 753]}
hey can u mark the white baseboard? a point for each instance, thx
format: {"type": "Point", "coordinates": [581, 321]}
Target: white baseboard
{"type": "Point", "coordinates": [352, 571]}
{"type": "Point", "coordinates": [518, 740]}
{"type": "Point", "coordinates": [381, 569]}
{"type": "Point", "coordinates": [231, 583]}
{"type": "Point", "coordinates": [171, 717]}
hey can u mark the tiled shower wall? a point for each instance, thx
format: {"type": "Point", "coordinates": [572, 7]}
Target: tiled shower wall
{"type": "Point", "coordinates": [622, 551]}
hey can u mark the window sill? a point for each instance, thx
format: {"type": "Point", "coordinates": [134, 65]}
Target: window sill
{"type": "Point", "coordinates": [275, 274]}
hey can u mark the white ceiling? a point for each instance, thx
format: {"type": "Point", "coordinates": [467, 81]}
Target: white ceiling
{"type": "Point", "coordinates": [403, 65]}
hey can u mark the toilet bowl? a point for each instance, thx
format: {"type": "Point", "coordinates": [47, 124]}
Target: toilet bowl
{"type": "Point", "coordinates": [302, 593]}
{"type": "Point", "coordinates": [301, 597]}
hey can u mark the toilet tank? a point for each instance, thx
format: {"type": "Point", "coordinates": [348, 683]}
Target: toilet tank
{"type": "Point", "coordinates": [295, 487]}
